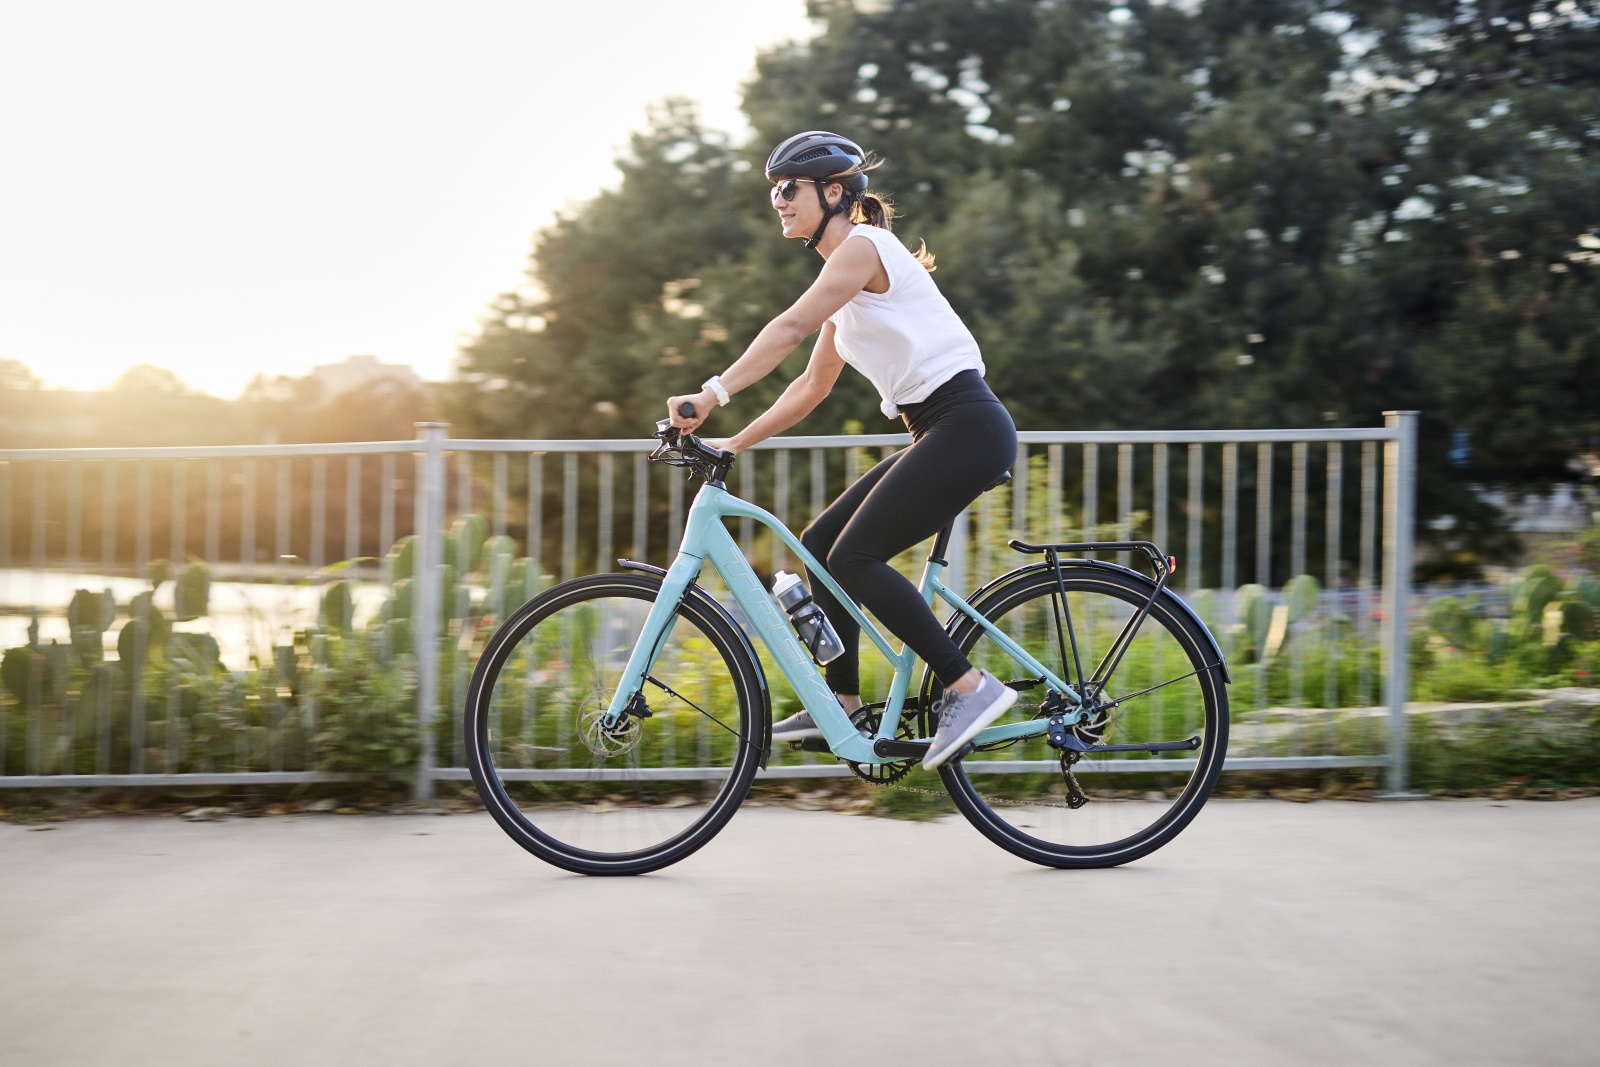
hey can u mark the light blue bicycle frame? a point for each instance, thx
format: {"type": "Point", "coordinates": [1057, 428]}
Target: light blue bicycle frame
{"type": "Point", "coordinates": [705, 539]}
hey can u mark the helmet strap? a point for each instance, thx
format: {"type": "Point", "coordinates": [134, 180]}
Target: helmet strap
{"type": "Point", "coordinates": [827, 214]}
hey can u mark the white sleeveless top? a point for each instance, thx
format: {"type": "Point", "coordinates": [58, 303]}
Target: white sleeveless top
{"type": "Point", "coordinates": [908, 341]}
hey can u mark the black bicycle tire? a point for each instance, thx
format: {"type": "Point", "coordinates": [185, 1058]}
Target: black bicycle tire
{"type": "Point", "coordinates": [1168, 612]}
{"type": "Point", "coordinates": [746, 677]}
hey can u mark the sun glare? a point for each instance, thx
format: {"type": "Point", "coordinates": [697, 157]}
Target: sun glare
{"type": "Point", "coordinates": [226, 191]}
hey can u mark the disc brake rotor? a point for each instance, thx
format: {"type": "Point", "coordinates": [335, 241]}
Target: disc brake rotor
{"type": "Point", "coordinates": [619, 739]}
{"type": "Point", "coordinates": [1092, 729]}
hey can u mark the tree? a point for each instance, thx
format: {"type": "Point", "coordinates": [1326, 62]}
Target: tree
{"type": "Point", "coordinates": [1227, 214]}
{"type": "Point", "coordinates": [144, 379]}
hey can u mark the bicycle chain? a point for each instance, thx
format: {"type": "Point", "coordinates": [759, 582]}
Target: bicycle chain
{"type": "Point", "coordinates": [901, 768]}
{"type": "Point", "coordinates": [1074, 791]}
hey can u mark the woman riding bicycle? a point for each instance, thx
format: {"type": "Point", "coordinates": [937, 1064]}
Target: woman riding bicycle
{"type": "Point", "coordinates": [878, 310]}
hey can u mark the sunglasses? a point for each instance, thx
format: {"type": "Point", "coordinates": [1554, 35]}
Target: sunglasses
{"type": "Point", "coordinates": [788, 187]}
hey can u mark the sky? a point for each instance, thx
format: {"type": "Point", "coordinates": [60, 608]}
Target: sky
{"type": "Point", "coordinates": [227, 189]}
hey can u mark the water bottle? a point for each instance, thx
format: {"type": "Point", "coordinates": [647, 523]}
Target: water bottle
{"type": "Point", "coordinates": [815, 631]}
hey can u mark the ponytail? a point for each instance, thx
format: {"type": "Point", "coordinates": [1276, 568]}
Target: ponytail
{"type": "Point", "coordinates": [874, 209]}
{"type": "Point", "coordinates": [870, 209]}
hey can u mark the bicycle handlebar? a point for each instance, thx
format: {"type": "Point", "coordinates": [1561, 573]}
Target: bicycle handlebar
{"type": "Point", "coordinates": [679, 448]}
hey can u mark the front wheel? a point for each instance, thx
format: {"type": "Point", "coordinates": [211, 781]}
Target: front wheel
{"type": "Point", "coordinates": [645, 793]}
{"type": "Point", "coordinates": [1097, 809]}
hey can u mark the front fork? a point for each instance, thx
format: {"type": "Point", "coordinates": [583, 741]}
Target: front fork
{"type": "Point", "coordinates": [652, 636]}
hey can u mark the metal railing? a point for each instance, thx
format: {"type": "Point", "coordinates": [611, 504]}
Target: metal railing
{"type": "Point", "coordinates": [273, 524]}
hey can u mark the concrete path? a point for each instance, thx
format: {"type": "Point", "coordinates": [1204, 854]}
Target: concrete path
{"type": "Point", "coordinates": [1445, 932]}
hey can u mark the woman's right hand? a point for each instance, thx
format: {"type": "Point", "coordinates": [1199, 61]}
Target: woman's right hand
{"type": "Point", "coordinates": [701, 402]}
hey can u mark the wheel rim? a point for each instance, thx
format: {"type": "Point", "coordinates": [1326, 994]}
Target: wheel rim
{"type": "Point", "coordinates": [654, 785]}
{"type": "Point", "coordinates": [1115, 801]}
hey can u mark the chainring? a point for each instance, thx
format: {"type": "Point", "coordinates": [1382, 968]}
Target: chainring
{"type": "Point", "coordinates": [867, 720]}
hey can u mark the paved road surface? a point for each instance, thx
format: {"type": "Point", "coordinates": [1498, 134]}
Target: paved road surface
{"type": "Point", "coordinates": [1462, 932]}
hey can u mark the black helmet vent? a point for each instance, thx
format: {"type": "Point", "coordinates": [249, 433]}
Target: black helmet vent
{"type": "Point", "coordinates": [816, 154]}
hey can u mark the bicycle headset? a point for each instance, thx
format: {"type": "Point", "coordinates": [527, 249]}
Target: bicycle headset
{"type": "Point", "coordinates": [819, 155]}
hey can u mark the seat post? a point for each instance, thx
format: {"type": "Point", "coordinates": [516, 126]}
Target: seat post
{"type": "Point", "coordinates": [941, 545]}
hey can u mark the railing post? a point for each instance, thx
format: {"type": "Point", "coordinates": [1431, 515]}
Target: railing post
{"type": "Point", "coordinates": [1399, 531]}
{"type": "Point", "coordinates": [429, 558]}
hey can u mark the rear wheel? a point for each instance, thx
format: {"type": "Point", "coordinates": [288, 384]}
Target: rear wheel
{"type": "Point", "coordinates": [1097, 809]}
{"type": "Point", "coordinates": [646, 793]}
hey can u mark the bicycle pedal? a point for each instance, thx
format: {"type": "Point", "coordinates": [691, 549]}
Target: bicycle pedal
{"type": "Point", "coordinates": [812, 744]}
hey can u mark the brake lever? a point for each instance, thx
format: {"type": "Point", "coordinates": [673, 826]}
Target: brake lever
{"type": "Point", "coordinates": [674, 438]}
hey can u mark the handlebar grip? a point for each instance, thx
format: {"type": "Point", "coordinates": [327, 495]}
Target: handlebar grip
{"type": "Point", "coordinates": [686, 410]}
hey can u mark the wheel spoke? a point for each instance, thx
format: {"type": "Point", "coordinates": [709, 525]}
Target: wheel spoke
{"type": "Point", "coordinates": [1115, 701]}
{"type": "Point", "coordinates": [673, 692]}
{"type": "Point", "coordinates": [1163, 737]}
{"type": "Point", "coordinates": [633, 797]}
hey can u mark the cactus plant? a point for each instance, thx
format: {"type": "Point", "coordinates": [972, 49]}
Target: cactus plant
{"type": "Point", "coordinates": [199, 651]}
{"type": "Point", "coordinates": [16, 671]}
{"type": "Point", "coordinates": [1578, 619]}
{"type": "Point", "coordinates": [463, 549]}
{"type": "Point", "coordinates": [400, 605]}
{"type": "Point", "coordinates": [88, 645]}
{"type": "Point", "coordinates": [1204, 602]}
{"type": "Point", "coordinates": [500, 553]}
{"type": "Point", "coordinates": [337, 611]}
{"type": "Point", "coordinates": [1449, 618]}
{"type": "Point", "coordinates": [523, 582]}
{"type": "Point", "coordinates": [191, 595]}
{"type": "Point", "coordinates": [1253, 608]}
{"type": "Point", "coordinates": [287, 665]}
{"type": "Point", "coordinates": [403, 560]}
{"type": "Point", "coordinates": [1539, 586]}
{"type": "Point", "coordinates": [58, 672]}
{"type": "Point", "coordinates": [1588, 591]}
{"type": "Point", "coordinates": [95, 610]}
{"type": "Point", "coordinates": [397, 633]}
{"type": "Point", "coordinates": [145, 629]}
{"type": "Point", "coordinates": [447, 593]}
{"type": "Point", "coordinates": [1301, 594]}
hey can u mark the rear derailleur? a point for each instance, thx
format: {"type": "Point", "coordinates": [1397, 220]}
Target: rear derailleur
{"type": "Point", "coordinates": [1073, 739]}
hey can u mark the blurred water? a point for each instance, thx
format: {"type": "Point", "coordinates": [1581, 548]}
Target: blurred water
{"type": "Point", "coordinates": [246, 618]}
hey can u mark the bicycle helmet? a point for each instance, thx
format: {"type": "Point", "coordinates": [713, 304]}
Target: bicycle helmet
{"type": "Point", "coordinates": [818, 154]}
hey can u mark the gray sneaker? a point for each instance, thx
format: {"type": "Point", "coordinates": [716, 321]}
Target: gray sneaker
{"type": "Point", "coordinates": [795, 728]}
{"type": "Point", "coordinates": [962, 715]}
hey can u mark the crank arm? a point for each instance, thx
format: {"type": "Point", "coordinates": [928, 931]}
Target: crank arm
{"type": "Point", "coordinates": [889, 748]}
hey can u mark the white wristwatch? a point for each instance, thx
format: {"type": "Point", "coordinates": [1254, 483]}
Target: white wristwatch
{"type": "Point", "coordinates": [714, 383]}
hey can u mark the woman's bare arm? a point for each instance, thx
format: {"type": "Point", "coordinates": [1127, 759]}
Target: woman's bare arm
{"type": "Point", "coordinates": [852, 265]}
{"type": "Point", "coordinates": [799, 399]}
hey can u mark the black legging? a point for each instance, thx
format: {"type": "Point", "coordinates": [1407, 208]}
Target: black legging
{"type": "Point", "coordinates": [963, 439]}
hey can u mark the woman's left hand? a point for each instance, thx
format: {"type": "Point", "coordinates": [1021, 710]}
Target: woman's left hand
{"type": "Point", "coordinates": [724, 443]}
